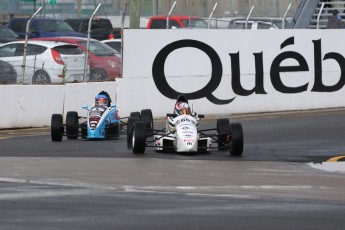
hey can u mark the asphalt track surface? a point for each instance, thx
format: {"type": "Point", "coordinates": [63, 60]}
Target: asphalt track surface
{"type": "Point", "coordinates": [101, 185]}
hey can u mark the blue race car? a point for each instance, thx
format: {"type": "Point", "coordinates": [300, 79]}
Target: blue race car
{"type": "Point", "coordinates": [102, 122]}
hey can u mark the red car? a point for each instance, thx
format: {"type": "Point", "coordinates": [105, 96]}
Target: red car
{"type": "Point", "coordinates": [176, 21]}
{"type": "Point", "coordinates": [104, 62]}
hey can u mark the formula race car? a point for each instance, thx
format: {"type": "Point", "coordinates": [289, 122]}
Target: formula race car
{"type": "Point", "coordinates": [182, 133]}
{"type": "Point", "coordinates": [101, 122]}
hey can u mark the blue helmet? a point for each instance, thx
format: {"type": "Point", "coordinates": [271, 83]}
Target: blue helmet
{"type": "Point", "coordinates": [101, 100]}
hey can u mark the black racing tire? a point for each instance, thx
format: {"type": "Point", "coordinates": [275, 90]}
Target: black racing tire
{"type": "Point", "coordinates": [130, 128]}
{"type": "Point", "coordinates": [135, 114]}
{"type": "Point", "coordinates": [56, 128]}
{"type": "Point", "coordinates": [72, 125]}
{"type": "Point", "coordinates": [83, 128]}
{"type": "Point", "coordinates": [41, 77]}
{"type": "Point", "coordinates": [98, 75]}
{"type": "Point", "coordinates": [139, 137]}
{"type": "Point", "coordinates": [223, 133]}
{"type": "Point", "coordinates": [236, 147]}
{"type": "Point", "coordinates": [146, 116]}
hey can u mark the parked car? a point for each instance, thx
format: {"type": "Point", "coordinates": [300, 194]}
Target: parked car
{"type": "Point", "coordinates": [46, 61]}
{"type": "Point", "coordinates": [159, 22]}
{"type": "Point", "coordinates": [101, 28]}
{"type": "Point", "coordinates": [114, 43]}
{"type": "Point", "coordinates": [7, 35]}
{"type": "Point", "coordinates": [42, 27]}
{"type": "Point", "coordinates": [8, 75]}
{"type": "Point", "coordinates": [104, 62]}
{"type": "Point", "coordinates": [251, 25]}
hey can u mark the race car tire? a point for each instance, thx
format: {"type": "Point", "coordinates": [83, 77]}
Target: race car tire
{"type": "Point", "coordinates": [236, 147]}
{"type": "Point", "coordinates": [112, 130]}
{"type": "Point", "coordinates": [130, 127]}
{"type": "Point", "coordinates": [56, 128]}
{"type": "Point", "coordinates": [135, 114]}
{"type": "Point", "coordinates": [139, 137]}
{"type": "Point", "coordinates": [223, 131]}
{"type": "Point", "coordinates": [146, 116]}
{"type": "Point", "coordinates": [83, 130]}
{"type": "Point", "coordinates": [72, 125]}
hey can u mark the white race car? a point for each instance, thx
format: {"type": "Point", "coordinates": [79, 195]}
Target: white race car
{"type": "Point", "coordinates": [182, 133]}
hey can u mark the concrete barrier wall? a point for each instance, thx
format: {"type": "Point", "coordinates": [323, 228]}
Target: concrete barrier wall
{"type": "Point", "coordinates": [24, 106]}
{"type": "Point", "coordinates": [223, 72]}
{"type": "Point", "coordinates": [235, 71]}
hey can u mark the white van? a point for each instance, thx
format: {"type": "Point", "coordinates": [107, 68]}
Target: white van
{"type": "Point", "coordinates": [251, 25]}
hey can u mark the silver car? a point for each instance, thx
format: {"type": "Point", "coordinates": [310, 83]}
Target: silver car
{"type": "Point", "coordinates": [46, 62]}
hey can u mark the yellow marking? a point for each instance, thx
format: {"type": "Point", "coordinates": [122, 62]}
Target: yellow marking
{"type": "Point", "coordinates": [29, 134]}
{"type": "Point", "coordinates": [335, 159]}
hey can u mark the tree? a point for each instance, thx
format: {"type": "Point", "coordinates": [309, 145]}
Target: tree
{"type": "Point", "coordinates": [134, 14]}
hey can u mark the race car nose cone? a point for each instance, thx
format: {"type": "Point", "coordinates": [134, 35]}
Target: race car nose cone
{"type": "Point", "coordinates": [95, 134]}
{"type": "Point", "coordinates": [187, 146]}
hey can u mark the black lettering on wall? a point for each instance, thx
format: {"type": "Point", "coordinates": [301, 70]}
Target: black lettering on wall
{"type": "Point", "coordinates": [236, 75]}
{"type": "Point", "coordinates": [318, 85]}
{"type": "Point", "coordinates": [216, 75]}
{"type": "Point", "coordinates": [276, 69]}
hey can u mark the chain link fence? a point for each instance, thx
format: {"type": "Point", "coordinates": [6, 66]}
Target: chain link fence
{"type": "Point", "coordinates": [42, 56]}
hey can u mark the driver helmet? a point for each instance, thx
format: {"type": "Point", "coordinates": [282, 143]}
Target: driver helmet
{"type": "Point", "coordinates": [101, 100]}
{"type": "Point", "coordinates": [182, 108]}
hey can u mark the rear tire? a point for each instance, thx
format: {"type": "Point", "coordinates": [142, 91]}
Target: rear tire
{"type": "Point", "coordinates": [139, 137]}
{"type": "Point", "coordinates": [41, 77]}
{"type": "Point", "coordinates": [146, 116]}
{"type": "Point", "coordinates": [130, 128]}
{"type": "Point", "coordinates": [135, 114]}
{"type": "Point", "coordinates": [72, 125]}
{"type": "Point", "coordinates": [56, 128]}
{"type": "Point", "coordinates": [236, 148]}
{"type": "Point", "coordinates": [98, 75]}
{"type": "Point", "coordinates": [223, 131]}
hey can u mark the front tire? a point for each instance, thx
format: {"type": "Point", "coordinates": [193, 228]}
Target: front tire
{"type": "Point", "coordinates": [72, 125]}
{"type": "Point", "coordinates": [139, 137]}
{"type": "Point", "coordinates": [130, 128]}
{"type": "Point", "coordinates": [146, 117]}
{"type": "Point", "coordinates": [83, 131]}
{"type": "Point", "coordinates": [223, 132]}
{"type": "Point", "coordinates": [236, 147]}
{"type": "Point", "coordinates": [56, 128]}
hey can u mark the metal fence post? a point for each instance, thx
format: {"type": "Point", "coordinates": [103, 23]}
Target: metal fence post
{"type": "Point", "coordinates": [287, 10]}
{"type": "Point", "coordinates": [209, 18]}
{"type": "Point", "coordinates": [170, 12]}
{"type": "Point", "coordinates": [86, 63]}
{"type": "Point", "coordinates": [26, 43]}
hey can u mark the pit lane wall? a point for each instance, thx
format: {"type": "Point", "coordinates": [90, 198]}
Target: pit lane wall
{"type": "Point", "coordinates": [222, 72]}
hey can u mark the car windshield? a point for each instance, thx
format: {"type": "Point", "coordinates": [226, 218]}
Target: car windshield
{"type": "Point", "coordinates": [115, 45]}
{"type": "Point", "coordinates": [55, 25]}
{"type": "Point", "coordinates": [195, 22]}
{"type": "Point", "coordinates": [101, 24]}
{"type": "Point", "coordinates": [7, 33]}
{"type": "Point", "coordinates": [99, 49]}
